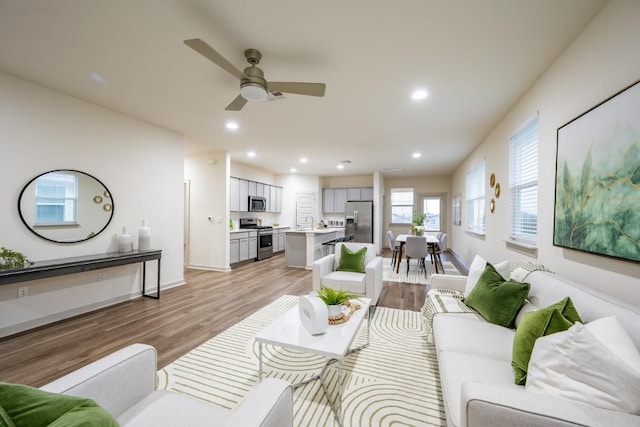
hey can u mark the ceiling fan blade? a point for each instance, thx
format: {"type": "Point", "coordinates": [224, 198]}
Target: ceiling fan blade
{"type": "Point", "coordinates": [236, 104]}
{"type": "Point", "coordinates": [208, 52]}
{"type": "Point", "coordinates": [312, 89]}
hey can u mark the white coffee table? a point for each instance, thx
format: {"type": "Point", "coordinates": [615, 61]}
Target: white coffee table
{"type": "Point", "coordinates": [287, 331]}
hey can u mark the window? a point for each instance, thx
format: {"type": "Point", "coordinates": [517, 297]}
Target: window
{"type": "Point", "coordinates": [431, 206]}
{"type": "Point", "coordinates": [401, 205]}
{"type": "Point", "coordinates": [475, 198]}
{"type": "Point", "coordinates": [56, 199]}
{"type": "Point", "coordinates": [523, 182]}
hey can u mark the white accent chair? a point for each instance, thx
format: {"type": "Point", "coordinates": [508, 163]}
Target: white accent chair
{"type": "Point", "coordinates": [367, 284]}
{"type": "Point", "coordinates": [124, 384]}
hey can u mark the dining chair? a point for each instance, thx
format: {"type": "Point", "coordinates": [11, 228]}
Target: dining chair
{"type": "Point", "coordinates": [440, 247]}
{"type": "Point", "coordinates": [394, 247]}
{"type": "Point", "coordinates": [417, 247]}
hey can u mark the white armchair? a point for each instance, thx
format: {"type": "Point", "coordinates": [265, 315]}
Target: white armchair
{"type": "Point", "coordinates": [367, 284]}
{"type": "Point", "coordinates": [124, 384]}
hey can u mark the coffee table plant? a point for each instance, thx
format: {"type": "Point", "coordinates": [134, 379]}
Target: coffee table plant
{"type": "Point", "coordinates": [334, 299]}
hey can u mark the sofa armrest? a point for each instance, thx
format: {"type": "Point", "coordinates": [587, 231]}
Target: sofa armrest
{"type": "Point", "coordinates": [115, 382]}
{"type": "Point", "coordinates": [269, 404]}
{"type": "Point", "coordinates": [483, 405]}
{"type": "Point", "coordinates": [321, 267]}
{"type": "Point", "coordinates": [447, 281]}
{"type": "Point", "coordinates": [373, 278]}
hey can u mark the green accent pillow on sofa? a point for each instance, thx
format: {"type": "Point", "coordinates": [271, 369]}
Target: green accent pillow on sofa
{"type": "Point", "coordinates": [31, 407]}
{"type": "Point", "coordinates": [557, 317]}
{"type": "Point", "coordinates": [351, 261]}
{"type": "Point", "coordinates": [496, 299]}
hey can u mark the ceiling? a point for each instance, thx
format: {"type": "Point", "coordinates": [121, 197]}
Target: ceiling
{"type": "Point", "coordinates": [474, 58]}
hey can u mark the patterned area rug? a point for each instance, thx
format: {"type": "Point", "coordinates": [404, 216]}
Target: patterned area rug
{"type": "Point", "coordinates": [383, 386]}
{"type": "Point", "coordinates": [415, 275]}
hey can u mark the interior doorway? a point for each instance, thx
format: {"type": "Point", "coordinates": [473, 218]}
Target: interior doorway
{"type": "Point", "coordinates": [306, 207]}
{"type": "Point", "coordinates": [187, 215]}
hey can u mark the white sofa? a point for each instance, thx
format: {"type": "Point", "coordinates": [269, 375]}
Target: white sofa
{"type": "Point", "coordinates": [367, 284]}
{"type": "Point", "coordinates": [124, 384]}
{"type": "Point", "coordinates": [474, 358]}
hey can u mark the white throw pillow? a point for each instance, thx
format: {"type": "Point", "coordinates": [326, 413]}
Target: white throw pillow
{"type": "Point", "coordinates": [477, 268]}
{"type": "Point", "coordinates": [595, 364]}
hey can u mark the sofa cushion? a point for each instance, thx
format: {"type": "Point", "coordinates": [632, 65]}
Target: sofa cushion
{"type": "Point", "coordinates": [477, 268]}
{"type": "Point", "coordinates": [351, 260]}
{"type": "Point", "coordinates": [29, 406]}
{"type": "Point", "coordinates": [596, 364]}
{"type": "Point", "coordinates": [172, 409]}
{"type": "Point", "coordinates": [458, 368]}
{"type": "Point", "coordinates": [348, 281]}
{"type": "Point", "coordinates": [554, 318]}
{"type": "Point", "coordinates": [471, 334]}
{"type": "Point", "coordinates": [496, 299]}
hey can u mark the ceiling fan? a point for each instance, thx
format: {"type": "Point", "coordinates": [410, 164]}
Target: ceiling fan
{"type": "Point", "coordinates": [253, 86]}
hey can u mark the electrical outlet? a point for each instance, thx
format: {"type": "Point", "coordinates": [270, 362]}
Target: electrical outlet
{"type": "Point", "coordinates": [23, 291]}
{"type": "Point", "coordinates": [102, 276]}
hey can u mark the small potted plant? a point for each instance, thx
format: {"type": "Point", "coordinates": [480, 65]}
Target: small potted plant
{"type": "Point", "coordinates": [417, 223]}
{"type": "Point", "coordinates": [12, 259]}
{"type": "Point", "coordinates": [334, 299]}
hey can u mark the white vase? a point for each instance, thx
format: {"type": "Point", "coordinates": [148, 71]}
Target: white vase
{"type": "Point", "coordinates": [125, 241]}
{"type": "Point", "coordinates": [144, 237]}
{"type": "Point", "coordinates": [334, 310]}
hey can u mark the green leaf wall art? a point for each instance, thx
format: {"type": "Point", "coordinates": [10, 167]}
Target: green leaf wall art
{"type": "Point", "coordinates": [597, 199]}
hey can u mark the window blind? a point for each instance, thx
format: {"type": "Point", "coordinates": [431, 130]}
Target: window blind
{"type": "Point", "coordinates": [476, 198]}
{"type": "Point", "coordinates": [523, 182]}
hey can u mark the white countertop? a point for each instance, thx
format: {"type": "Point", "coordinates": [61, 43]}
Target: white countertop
{"type": "Point", "coordinates": [314, 231]}
{"type": "Point", "coordinates": [242, 230]}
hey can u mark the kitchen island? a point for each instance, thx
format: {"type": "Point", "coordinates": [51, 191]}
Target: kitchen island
{"type": "Point", "coordinates": [305, 246]}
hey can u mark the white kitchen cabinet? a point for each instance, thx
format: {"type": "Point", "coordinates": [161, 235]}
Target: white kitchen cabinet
{"type": "Point", "coordinates": [273, 198]}
{"type": "Point", "coordinates": [252, 188]}
{"type": "Point", "coordinates": [243, 246]}
{"type": "Point", "coordinates": [279, 199]}
{"type": "Point", "coordinates": [340, 198]}
{"type": "Point", "coordinates": [234, 251]}
{"type": "Point", "coordinates": [279, 239]}
{"type": "Point", "coordinates": [244, 195]}
{"type": "Point", "coordinates": [253, 245]}
{"type": "Point", "coordinates": [259, 189]}
{"type": "Point", "coordinates": [353, 194]}
{"type": "Point", "coordinates": [328, 200]}
{"type": "Point", "coordinates": [366, 193]}
{"type": "Point", "coordinates": [234, 194]}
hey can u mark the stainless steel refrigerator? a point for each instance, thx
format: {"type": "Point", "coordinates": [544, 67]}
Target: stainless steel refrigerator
{"type": "Point", "coordinates": [359, 221]}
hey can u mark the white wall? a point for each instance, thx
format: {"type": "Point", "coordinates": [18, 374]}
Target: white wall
{"type": "Point", "coordinates": [142, 166]}
{"type": "Point", "coordinates": [292, 185]}
{"type": "Point", "coordinates": [603, 60]}
{"type": "Point", "coordinates": [208, 179]}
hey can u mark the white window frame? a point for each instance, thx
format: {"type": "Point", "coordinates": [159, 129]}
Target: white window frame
{"type": "Point", "coordinates": [65, 185]}
{"type": "Point", "coordinates": [523, 183]}
{"type": "Point", "coordinates": [393, 204]}
{"type": "Point", "coordinates": [476, 196]}
{"type": "Point", "coordinates": [440, 198]}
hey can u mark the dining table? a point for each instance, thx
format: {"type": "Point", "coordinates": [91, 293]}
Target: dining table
{"type": "Point", "coordinates": [431, 241]}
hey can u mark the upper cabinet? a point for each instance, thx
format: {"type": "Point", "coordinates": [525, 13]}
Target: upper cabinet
{"type": "Point", "coordinates": [240, 190]}
{"type": "Point", "coordinates": [333, 199]}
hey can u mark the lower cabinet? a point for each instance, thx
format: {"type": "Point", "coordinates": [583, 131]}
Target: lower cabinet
{"type": "Point", "coordinates": [279, 239]}
{"type": "Point", "coordinates": [243, 246]}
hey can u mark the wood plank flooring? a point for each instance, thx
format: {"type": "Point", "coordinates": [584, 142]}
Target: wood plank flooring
{"type": "Point", "coordinates": [183, 318]}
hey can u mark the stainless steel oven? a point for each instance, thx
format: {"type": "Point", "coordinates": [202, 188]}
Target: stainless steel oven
{"type": "Point", "coordinates": [265, 236]}
{"type": "Point", "coordinates": [265, 242]}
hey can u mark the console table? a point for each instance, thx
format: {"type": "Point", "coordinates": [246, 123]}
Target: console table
{"type": "Point", "coordinates": [63, 266]}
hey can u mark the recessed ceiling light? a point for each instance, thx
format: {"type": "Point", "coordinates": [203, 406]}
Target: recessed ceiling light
{"type": "Point", "coordinates": [232, 125]}
{"type": "Point", "coordinates": [419, 94]}
{"type": "Point", "coordinates": [303, 160]}
{"type": "Point", "coordinates": [292, 170]}
{"type": "Point", "coordinates": [340, 166]}
{"type": "Point", "coordinates": [416, 155]}
{"type": "Point", "coordinates": [251, 154]}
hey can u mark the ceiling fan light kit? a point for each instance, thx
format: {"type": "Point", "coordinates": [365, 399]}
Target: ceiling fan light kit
{"type": "Point", "coordinates": [253, 86]}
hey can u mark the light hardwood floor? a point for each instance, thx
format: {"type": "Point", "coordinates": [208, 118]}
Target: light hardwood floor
{"type": "Point", "coordinates": [183, 318]}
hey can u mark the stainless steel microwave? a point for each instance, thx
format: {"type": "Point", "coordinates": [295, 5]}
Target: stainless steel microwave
{"type": "Point", "coordinates": [257, 204]}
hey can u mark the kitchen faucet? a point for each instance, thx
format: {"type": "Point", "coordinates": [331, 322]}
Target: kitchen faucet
{"type": "Point", "coordinates": [310, 216]}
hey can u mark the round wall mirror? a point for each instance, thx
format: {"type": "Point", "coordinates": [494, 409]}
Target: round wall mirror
{"type": "Point", "coordinates": [65, 206]}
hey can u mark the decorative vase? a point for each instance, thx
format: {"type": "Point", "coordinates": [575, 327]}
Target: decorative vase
{"type": "Point", "coordinates": [144, 237]}
{"type": "Point", "coordinates": [334, 310]}
{"type": "Point", "coordinates": [125, 241]}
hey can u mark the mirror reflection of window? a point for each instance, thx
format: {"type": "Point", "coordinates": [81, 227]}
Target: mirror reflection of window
{"type": "Point", "coordinates": [56, 199]}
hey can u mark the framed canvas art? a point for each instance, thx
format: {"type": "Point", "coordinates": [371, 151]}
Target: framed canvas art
{"type": "Point", "coordinates": [597, 195]}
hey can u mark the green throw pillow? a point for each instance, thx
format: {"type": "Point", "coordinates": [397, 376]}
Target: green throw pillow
{"type": "Point", "coordinates": [31, 407]}
{"type": "Point", "coordinates": [557, 317]}
{"type": "Point", "coordinates": [496, 299]}
{"type": "Point", "coordinates": [352, 261]}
